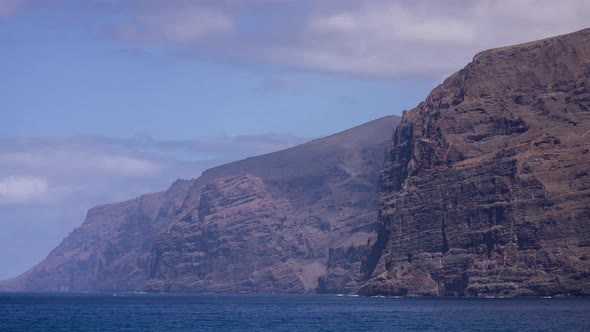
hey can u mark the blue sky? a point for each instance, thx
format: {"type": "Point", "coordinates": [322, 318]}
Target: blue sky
{"type": "Point", "coordinates": [72, 79]}
{"type": "Point", "coordinates": [103, 100]}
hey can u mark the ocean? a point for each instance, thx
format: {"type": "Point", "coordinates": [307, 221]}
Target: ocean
{"type": "Point", "coordinates": [253, 312]}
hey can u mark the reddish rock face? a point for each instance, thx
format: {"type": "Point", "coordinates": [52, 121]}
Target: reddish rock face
{"type": "Point", "coordinates": [281, 222]}
{"type": "Point", "coordinates": [486, 190]}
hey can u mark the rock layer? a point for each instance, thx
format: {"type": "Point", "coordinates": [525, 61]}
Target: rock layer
{"type": "Point", "coordinates": [270, 223]}
{"type": "Point", "coordinates": [486, 189]}
{"type": "Point", "coordinates": [263, 224]}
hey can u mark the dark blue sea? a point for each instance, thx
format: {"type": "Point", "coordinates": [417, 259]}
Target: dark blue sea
{"type": "Point", "coordinates": [209, 312]}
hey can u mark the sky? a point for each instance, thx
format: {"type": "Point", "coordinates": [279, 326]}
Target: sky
{"type": "Point", "coordinates": [104, 100]}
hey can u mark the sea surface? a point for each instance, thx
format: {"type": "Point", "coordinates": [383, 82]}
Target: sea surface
{"type": "Point", "coordinates": [243, 312]}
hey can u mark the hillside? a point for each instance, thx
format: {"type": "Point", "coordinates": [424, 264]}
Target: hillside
{"type": "Point", "coordinates": [266, 223]}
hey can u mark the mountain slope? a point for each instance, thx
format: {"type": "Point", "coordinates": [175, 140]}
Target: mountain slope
{"type": "Point", "coordinates": [272, 219]}
{"type": "Point", "coordinates": [109, 251]}
{"type": "Point", "coordinates": [486, 190]}
{"type": "Point", "coordinates": [269, 223]}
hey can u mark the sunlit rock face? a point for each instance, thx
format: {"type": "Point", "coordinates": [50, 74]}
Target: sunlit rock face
{"type": "Point", "coordinates": [486, 189]}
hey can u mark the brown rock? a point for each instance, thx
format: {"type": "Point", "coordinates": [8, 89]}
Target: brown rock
{"type": "Point", "coordinates": [274, 223]}
{"type": "Point", "coordinates": [485, 191]}
{"type": "Point", "coordinates": [263, 224]}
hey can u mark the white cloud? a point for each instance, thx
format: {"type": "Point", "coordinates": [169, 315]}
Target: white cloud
{"type": "Point", "coordinates": [387, 38]}
{"type": "Point", "coordinates": [175, 25]}
{"type": "Point", "coordinates": [101, 170]}
{"type": "Point", "coordinates": [73, 159]}
{"type": "Point", "coordinates": [400, 38]}
{"type": "Point", "coordinates": [23, 189]}
{"type": "Point", "coordinates": [128, 166]}
{"type": "Point", "coordinates": [17, 157]}
{"type": "Point", "coordinates": [390, 22]}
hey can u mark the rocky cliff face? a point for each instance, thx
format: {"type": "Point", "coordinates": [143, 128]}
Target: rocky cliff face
{"type": "Point", "coordinates": [282, 222]}
{"type": "Point", "coordinates": [486, 190]}
{"type": "Point", "coordinates": [111, 250]}
{"type": "Point", "coordinates": [279, 222]}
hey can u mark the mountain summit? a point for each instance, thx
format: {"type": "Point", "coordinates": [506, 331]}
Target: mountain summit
{"type": "Point", "coordinates": [486, 189]}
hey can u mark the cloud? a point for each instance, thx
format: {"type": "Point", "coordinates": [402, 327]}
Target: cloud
{"type": "Point", "coordinates": [100, 169]}
{"type": "Point", "coordinates": [278, 83]}
{"type": "Point", "coordinates": [64, 160]}
{"type": "Point", "coordinates": [221, 146]}
{"type": "Point", "coordinates": [15, 7]}
{"type": "Point", "coordinates": [8, 7]}
{"type": "Point", "coordinates": [383, 38]}
{"type": "Point", "coordinates": [157, 22]}
{"type": "Point", "coordinates": [418, 39]}
{"type": "Point", "coordinates": [22, 189]}
{"type": "Point", "coordinates": [366, 38]}
{"type": "Point", "coordinates": [129, 166]}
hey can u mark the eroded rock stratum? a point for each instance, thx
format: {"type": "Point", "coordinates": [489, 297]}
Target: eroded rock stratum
{"type": "Point", "coordinates": [486, 189]}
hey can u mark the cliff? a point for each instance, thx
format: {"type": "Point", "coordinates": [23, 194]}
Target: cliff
{"type": "Point", "coordinates": [266, 224]}
{"type": "Point", "coordinates": [486, 189]}
{"type": "Point", "coordinates": [272, 223]}
{"type": "Point", "coordinates": [111, 250]}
